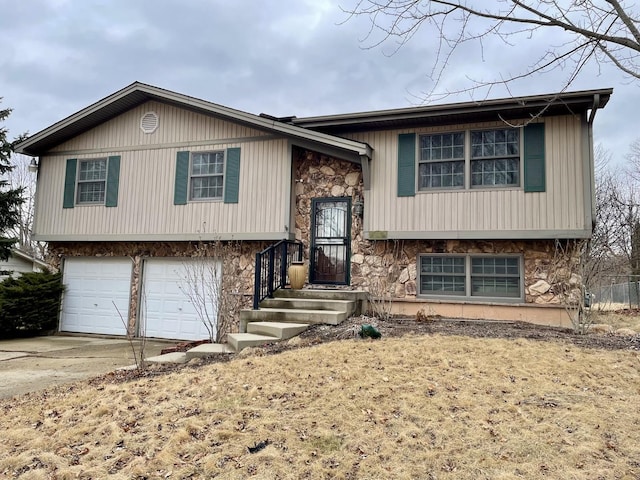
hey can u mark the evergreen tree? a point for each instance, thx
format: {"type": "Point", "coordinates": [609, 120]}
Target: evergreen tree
{"type": "Point", "coordinates": [10, 199]}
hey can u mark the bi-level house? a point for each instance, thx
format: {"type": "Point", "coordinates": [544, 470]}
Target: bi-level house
{"type": "Point", "coordinates": [450, 208]}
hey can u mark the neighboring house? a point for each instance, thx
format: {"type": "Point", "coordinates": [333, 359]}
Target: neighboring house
{"type": "Point", "coordinates": [20, 262]}
{"type": "Point", "coordinates": [451, 208]}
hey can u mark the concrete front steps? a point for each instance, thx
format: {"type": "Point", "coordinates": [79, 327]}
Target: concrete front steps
{"type": "Point", "coordinates": [310, 306]}
{"type": "Point", "coordinates": [286, 315]}
{"type": "Point", "coordinates": [258, 333]}
{"type": "Point", "coordinates": [298, 309]}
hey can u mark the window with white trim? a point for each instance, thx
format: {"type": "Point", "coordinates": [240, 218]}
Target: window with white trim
{"type": "Point", "coordinates": [490, 157]}
{"type": "Point", "coordinates": [206, 175]}
{"type": "Point", "coordinates": [466, 276]}
{"type": "Point", "coordinates": [92, 181]}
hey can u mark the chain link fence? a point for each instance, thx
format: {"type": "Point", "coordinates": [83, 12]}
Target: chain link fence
{"type": "Point", "coordinates": [619, 292]}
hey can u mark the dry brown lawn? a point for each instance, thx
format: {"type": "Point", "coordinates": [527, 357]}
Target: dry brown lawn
{"type": "Point", "coordinates": [619, 318]}
{"type": "Point", "coordinates": [416, 407]}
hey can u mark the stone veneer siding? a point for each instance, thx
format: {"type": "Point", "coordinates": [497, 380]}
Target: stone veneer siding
{"type": "Point", "coordinates": [319, 176]}
{"type": "Point", "coordinates": [389, 267]}
{"type": "Point", "coordinates": [238, 264]}
{"type": "Point", "coordinates": [396, 262]}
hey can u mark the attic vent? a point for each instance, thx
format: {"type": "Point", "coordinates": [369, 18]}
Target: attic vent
{"type": "Point", "coordinates": [149, 122]}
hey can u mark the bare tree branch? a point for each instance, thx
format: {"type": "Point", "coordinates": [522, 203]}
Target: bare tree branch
{"type": "Point", "coordinates": [21, 177]}
{"type": "Point", "coordinates": [604, 31]}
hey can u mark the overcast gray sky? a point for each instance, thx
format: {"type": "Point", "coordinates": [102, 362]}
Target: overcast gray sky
{"type": "Point", "coordinates": [282, 57]}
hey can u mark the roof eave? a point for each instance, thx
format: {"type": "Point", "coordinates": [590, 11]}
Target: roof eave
{"type": "Point", "coordinates": [37, 144]}
{"type": "Point", "coordinates": [584, 99]}
{"type": "Point", "coordinates": [25, 256]}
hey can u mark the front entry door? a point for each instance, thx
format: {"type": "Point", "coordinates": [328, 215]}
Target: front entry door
{"type": "Point", "coordinates": [330, 240]}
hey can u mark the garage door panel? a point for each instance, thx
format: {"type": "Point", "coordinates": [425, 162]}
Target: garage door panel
{"type": "Point", "coordinates": [167, 311]}
{"type": "Point", "coordinates": [93, 285]}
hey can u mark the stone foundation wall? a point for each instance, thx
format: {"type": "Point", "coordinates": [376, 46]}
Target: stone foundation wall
{"type": "Point", "coordinates": [390, 267]}
{"type": "Point", "coordinates": [238, 261]}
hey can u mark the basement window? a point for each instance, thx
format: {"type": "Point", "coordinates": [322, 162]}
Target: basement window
{"type": "Point", "coordinates": [471, 276]}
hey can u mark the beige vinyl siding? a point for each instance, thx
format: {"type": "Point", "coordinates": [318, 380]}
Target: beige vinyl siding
{"type": "Point", "coordinates": [176, 125]}
{"type": "Point", "coordinates": [146, 190]}
{"type": "Point", "coordinates": [488, 213]}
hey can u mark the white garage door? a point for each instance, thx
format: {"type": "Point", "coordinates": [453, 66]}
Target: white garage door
{"type": "Point", "coordinates": [166, 310]}
{"type": "Point", "coordinates": [93, 285]}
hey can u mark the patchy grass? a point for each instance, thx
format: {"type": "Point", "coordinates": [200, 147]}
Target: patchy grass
{"type": "Point", "coordinates": [618, 317]}
{"type": "Point", "coordinates": [430, 406]}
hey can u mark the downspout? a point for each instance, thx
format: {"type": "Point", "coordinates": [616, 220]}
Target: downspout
{"type": "Point", "coordinates": [34, 220]}
{"type": "Point", "coordinates": [365, 162]}
{"type": "Point", "coordinates": [592, 115]}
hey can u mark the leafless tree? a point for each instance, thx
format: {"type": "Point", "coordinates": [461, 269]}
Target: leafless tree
{"type": "Point", "coordinates": [584, 266]}
{"type": "Point", "coordinates": [601, 31]}
{"type": "Point", "coordinates": [617, 200]}
{"type": "Point", "coordinates": [573, 280]}
{"type": "Point", "coordinates": [632, 172]}
{"type": "Point", "coordinates": [210, 292]}
{"type": "Point", "coordinates": [633, 161]}
{"type": "Point", "coordinates": [136, 343]}
{"type": "Point", "coordinates": [21, 177]}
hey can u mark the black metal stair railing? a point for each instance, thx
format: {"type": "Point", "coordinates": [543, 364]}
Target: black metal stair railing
{"type": "Point", "coordinates": [272, 265]}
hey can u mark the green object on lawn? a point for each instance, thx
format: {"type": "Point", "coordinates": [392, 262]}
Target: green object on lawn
{"type": "Point", "coordinates": [369, 331]}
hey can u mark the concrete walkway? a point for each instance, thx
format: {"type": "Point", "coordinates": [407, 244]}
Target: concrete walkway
{"type": "Point", "coordinates": [200, 351]}
{"type": "Point", "coordinates": [32, 364]}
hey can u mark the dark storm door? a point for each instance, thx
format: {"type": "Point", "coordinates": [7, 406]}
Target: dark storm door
{"type": "Point", "coordinates": [330, 240]}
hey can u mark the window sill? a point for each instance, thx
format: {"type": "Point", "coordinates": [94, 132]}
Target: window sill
{"type": "Point", "coordinates": [466, 190]}
{"type": "Point", "coordinates": [207, 200]}
{"type": "Point", "coordinates": [471, 300]}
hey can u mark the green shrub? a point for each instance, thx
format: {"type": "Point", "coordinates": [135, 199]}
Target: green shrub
{"type": "Point", "coordinates": [30, 303]}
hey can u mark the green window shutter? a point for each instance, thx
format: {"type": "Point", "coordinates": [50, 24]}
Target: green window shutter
{"type": "Point", "coordinates": [232, 176]}
{"type": "Point", "coordinates": [113, 180]}
{"type": "Point", "coordinates": [70, 183]}
{"type": "Point", "coordinates": [534, 163]}
{"type": "Point", "coordinates": [406, 164]}
{"type": "Point", "coordinates": [182, 179]}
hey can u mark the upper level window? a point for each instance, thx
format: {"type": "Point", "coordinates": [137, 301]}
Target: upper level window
{"type": "Point", "coordinates": [495, 157]}
{"type": "Point", "coordinates": [92, 181]}
{"type": "Point", "coordinates": [206, 178]}
{"type": "Point", "coordinates": [490, 157]}
{"type": "Point", "coordinates": [441, 162]}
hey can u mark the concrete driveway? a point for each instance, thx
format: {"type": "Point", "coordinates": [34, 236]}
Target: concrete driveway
{"type": "Point", "coordinates": [31, 364]}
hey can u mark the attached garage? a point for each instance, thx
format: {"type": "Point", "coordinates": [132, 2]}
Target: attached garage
{"type": "Point", "coordinates": [166, 310]}
{"type": "Point", "coordinates": [93, 285]}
